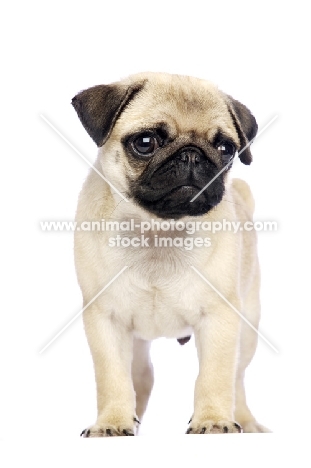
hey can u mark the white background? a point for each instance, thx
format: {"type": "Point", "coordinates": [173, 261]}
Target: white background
{"type": "Point", "coordinates": [256, 51]}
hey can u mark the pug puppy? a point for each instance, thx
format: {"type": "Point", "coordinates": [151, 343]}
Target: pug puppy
{"type": "Point", "coordinates": [166, 144]}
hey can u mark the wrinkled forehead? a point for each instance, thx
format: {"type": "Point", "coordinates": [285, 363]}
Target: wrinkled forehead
{"type": "Point", "coordinates": [182, 105]}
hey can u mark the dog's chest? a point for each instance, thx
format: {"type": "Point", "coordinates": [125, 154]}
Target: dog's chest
{"type": "Point", "coordinates": [159, 296]}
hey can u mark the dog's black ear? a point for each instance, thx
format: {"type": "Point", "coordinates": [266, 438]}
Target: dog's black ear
{"type": "Point", "coordinates": [246, 126]}
{"type": "Point", "coordinates": [99, 107]}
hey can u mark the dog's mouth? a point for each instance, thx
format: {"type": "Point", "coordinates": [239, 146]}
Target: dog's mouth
{"type": "Point", "coordinates": [179, 201]}
{"type": "Point", "coordinates": [186, 190]}
{"type": "Point", "coordinates": [184, 194]}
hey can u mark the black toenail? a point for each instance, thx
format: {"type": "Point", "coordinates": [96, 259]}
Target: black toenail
{"type": "Point", "coordinates": [238, 427]}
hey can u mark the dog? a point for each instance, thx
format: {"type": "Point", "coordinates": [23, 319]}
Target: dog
{"type": "Point", "coordinates": [166, 145]}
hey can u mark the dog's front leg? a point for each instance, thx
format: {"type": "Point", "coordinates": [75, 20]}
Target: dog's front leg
{"type": "Point", "coordinates": [217, 339]}
{"type": "Point", "coordinates": [111, 346]}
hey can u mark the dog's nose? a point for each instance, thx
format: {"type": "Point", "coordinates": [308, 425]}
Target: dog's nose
{"type": "Point", "coordinates": [191, 155]}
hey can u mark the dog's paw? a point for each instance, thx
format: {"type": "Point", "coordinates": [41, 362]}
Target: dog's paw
{"type": "Point", "coordinates": [254, 426]}
{"type": "Point", "coordinates": [214, 427]}
{"type": "Point", "coordinates": [102, 429]}
{"type": "Point", "coordinates": [107, 431]}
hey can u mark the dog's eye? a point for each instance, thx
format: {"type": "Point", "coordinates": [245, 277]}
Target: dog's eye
{"type": "Point", "coordinates": [227, 150]}
{"type": "Point", "coordinates": [145, 144]}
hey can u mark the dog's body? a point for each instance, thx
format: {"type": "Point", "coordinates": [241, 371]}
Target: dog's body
{"type": "Point", "coordinates": [162, 138]}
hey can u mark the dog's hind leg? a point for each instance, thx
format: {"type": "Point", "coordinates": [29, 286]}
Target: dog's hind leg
{"type": "Point", "coordinates": [243, 414]}
{"type": "Point", "coordinates": [249, 340]}
{"type": "Point", "coordinates": [142, 374]}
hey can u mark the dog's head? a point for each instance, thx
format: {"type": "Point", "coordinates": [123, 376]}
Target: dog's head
{"type": "Point", "coordinates": [163, 138]}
